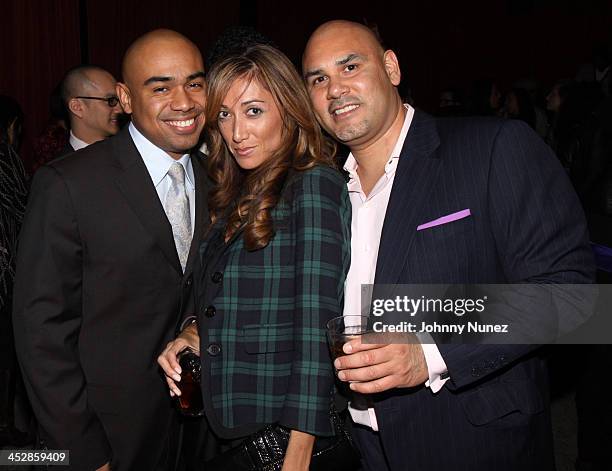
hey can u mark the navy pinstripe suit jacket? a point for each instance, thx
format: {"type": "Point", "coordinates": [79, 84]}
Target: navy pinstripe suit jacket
{"type": "Point", "coordinates": [526, 225]}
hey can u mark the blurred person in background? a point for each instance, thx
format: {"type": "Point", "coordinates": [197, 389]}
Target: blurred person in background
{"type": "Point", "coordinates": [13, 192]}
{"type": "Point", "coordinates": [54, 139]}
{"type": "Point", "coordinates": [538, 102]}
{"type": "Point", "coordinates": [554, 102]}
{"type": "Point", "coordinates": [486, 98]}
{"type": "Point", "coordinates": [574, 121]}
{"type": "Point", "coordinates": [451, 103]}
{"type": "Point", "coordinates": [600, 69]}
{"type": "Point", "coordinates": [518, 105]}
{"type": "Point", "coordinates": [89, 95]}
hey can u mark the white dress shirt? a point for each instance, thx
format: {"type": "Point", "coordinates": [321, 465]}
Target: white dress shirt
{"type": "Point", "coordinates": [600, 75]}
{"type": "Point", "coordinates": [158, 163]}
{"type": "Point", "coordinates": [75, 142]}
{"type": "Point", "coordinates": [368, 216]}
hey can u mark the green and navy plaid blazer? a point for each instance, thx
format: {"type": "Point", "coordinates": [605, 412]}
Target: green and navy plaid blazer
{"type": "Point", "coordinates": [262, 314]}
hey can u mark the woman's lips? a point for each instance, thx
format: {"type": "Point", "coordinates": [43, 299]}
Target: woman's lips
{"type": "Point", "coordinates": [244, 151]}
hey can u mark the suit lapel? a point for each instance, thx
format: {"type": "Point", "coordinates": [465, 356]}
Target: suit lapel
{"type": "Point", "coordinates": [201, 208]}
{"type": "Point", "coordinates": [136, 185]}
{"type": "Point", "coordinates": [415, 177]}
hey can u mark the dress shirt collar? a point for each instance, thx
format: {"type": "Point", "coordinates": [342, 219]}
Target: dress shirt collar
{"type": "Point", "coordinates": [351, 163]}
{"type": "Point", "coordinates": [75, 142]}
{"type": "Point", "coordinates": [600, 75]}
{"type": "Point", "coordinates": [157, 161]}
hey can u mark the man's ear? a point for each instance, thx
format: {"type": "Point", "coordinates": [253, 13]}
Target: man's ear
{"type": "Point", "coordinates": [123, 92]}
{"type": "Point", "coordinates": [392, 67]}
{"type": "Point", "coordinates": [75, 106]}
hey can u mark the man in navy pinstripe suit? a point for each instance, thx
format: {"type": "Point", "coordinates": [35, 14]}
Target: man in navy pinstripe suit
{"type": "Point", "coordinates": [443, 201]}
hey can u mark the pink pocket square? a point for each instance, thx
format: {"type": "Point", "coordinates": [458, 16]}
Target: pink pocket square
{"type": "Point", "coordinates": [445, 219]}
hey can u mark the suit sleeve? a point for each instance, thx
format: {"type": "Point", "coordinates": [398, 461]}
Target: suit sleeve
{"type": "Point", "coordinates": [47, 317]}
{"type": "Point", "coordinates": [321, 212]}
{"type": "Point", "coordinates": [541, 237]}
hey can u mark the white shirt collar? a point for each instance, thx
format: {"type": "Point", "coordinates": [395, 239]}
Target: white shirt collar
{"type": "Point", "coordinates": [157, 161]}
{"type": "Point", "coordinates": [599, 75]}
{"type": "Point", "coordinates": [75, 142]}
{"type": "Point", "coordinates": [351, 163]}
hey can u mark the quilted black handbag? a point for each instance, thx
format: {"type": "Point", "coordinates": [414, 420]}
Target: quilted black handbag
{"type": "Point", "coordinates": [265, 449]}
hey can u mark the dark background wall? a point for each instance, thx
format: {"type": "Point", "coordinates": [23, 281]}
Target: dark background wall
{"type": "Point", "coordinates": [440, 43]}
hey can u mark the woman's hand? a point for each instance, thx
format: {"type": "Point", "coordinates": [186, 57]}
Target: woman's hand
{"type": "Point", "coordinates": [167, 360]}
{"type": "Point", "coordinates": [299, 451]}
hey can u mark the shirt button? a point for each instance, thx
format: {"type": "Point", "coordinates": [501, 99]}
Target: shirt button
{"type": "Point", "coordinates": [213, 349]}
{"type": "Point", "coordinates": [210, 311]}
{"type": "Point", "coordinates": [216, 277]}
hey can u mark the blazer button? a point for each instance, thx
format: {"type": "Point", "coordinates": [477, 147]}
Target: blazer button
{"type": "Point", "coordinates": [210, 311]}
{"type": "Point", "coordinates": [214, 349]}
{"type": "Point", "coordinates": [188, 281]}
{"type": "Point", "coordinates": [216, 277]}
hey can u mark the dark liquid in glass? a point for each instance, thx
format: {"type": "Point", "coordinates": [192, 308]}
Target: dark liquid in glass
{"type": "Point", "coordinates": [358, 401]}
{"type": "Point", "coordinates": [336, 348]}
{"type": "Point", "coordinates": [190, 400]}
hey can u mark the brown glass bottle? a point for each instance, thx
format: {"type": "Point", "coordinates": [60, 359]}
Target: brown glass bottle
{"type": "Point", "coordinates": [190, 400]}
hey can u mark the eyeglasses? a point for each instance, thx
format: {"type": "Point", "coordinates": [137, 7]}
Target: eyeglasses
{"type": "Point", "coordinates": [110, 101]}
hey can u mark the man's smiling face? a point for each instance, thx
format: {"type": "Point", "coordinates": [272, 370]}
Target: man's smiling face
{"type": "Point", "coordinates": [351, 82]}
{"type": "Point", "coordinates": [165, 92]}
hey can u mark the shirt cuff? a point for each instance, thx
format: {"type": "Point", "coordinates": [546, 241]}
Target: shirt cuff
{"type": "Point", "coordinates": [436, 366]}
{"type": "Point", "coordinates": [187, 321]}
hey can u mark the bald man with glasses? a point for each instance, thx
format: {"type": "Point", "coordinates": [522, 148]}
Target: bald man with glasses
{"type": "Point", "coordinates": [93, 106]}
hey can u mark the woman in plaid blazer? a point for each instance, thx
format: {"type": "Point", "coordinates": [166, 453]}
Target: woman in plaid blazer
{"type": "Point", "coordinates": [273, 263]}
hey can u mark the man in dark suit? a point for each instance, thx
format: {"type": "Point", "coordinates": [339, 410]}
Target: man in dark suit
{"type": "Point", "coordinates": [442, 201]}
{"type": "Point", "coordinates": [90, 97]}
{"type": "Point", "coordinates": [104, 268]}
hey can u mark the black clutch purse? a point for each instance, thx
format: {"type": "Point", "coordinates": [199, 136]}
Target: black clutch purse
{"type": "Point", "coordinates": [265, 451]}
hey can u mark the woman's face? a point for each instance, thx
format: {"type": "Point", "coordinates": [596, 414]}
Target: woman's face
{"type": "Point", "coordinates": [495, 98]}
{"type": "Point", "coordinates": [554, 100]}
{"type": "Point", "coordinates": [512, 106]}
{"type": "Point", "coordinates": [250, 123]}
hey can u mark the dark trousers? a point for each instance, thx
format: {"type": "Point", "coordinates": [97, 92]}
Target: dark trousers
{"type": "Point", "coordinates": [594, 408]}
{"type": "Point", "coordinates": [370, 446]}
{"type": "Point", "coordinates": [200, 444]}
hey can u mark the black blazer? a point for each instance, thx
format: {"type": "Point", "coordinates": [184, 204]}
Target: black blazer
{"type": "Point", "coordinates": [66, 150]}
{"type": "Point", "coordinates": [262, 313]}
{"type": "Point", "coordinates": [99, 292]}
{"type": "Point", "coordinates": [526, 225]}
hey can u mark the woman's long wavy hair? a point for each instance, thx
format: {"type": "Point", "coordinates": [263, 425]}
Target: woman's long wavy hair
{"type": "Point", "coordinates": [244, 198]}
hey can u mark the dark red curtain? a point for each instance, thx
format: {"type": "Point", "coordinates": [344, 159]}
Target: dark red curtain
{"type": "Point", "coordinates": [114, 25]}
{"type": "Point", "coordinates": [452, 43]}
{"type": "Point", "coordinates": [440, 44]}
{"type": "Point", "coordinates": [39, 40]}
